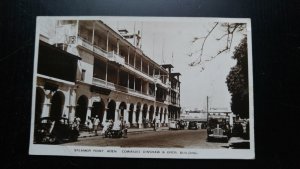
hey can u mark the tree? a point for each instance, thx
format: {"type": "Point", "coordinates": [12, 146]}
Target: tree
{"type": "Point", "coordinates": [237, 81]}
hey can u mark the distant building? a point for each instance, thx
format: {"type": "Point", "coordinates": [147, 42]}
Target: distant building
{"type": "Point", "coordinates": [85, 69]}
{"type": "Point", "coordinates": [195, 115]}
{"type": "Point", "coordinates": [223, 113]}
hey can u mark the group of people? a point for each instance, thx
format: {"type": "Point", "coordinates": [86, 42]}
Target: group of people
{"type": "Point", "coordinates": [92, 124]}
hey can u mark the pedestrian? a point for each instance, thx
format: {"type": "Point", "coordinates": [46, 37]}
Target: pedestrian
{"type": "Point", "coordinates": [76, 123]}
{"type": "Point", "coordinates": [96, 123]}
{"type": "Point", "coordinates": [89, 124]}
{"type": "Point", "coordinates": [144, 122]}
{"type": "Point", "coordinates": [154, 124]}
{"type": "Point", "coordinates": [125, 127]}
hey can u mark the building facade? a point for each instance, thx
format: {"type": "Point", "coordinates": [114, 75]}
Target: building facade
{"type": "Point", "coordinates": [102, 72]}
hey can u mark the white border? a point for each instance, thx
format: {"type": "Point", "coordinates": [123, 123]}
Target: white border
{"type": "Point", "coordinates": [119, 152]}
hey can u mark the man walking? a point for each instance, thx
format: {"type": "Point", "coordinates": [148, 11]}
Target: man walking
{"type": "Point", "coordinates": [154, 124]}
{"type": "Point", "coordinates": [96, 123]}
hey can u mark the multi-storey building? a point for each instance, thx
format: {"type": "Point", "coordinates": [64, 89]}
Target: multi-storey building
{"type": "Point", "coordinates": [85, 68]}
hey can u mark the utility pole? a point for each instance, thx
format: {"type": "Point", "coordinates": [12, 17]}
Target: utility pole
{"type": "Point", "coordinates": [207, 107]}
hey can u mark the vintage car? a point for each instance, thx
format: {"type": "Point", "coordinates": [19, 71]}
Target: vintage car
{"type": "Point", "coordinates": [193, 125]}
{"type": "Point", "coordinates": [237, 129]}
{"type": "Point", "coordinates": [177, 125]}
{"type": "Point", "coordinates": [50, 131]}
{"type": "Point", "coordinates": [218, 129]}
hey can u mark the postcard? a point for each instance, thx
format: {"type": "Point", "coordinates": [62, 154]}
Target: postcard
{"type": "Point", "coordinates": [143, 87]}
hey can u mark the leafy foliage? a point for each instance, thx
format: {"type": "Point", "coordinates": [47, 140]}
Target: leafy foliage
{"type": "Point", "coordinates": [237, 81]}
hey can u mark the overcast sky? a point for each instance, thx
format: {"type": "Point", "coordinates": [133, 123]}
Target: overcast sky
{"type": "Point", "coordinates": [163, 37]}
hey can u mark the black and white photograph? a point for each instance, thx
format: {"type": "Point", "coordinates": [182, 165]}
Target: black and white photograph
{"type": "Point", "coordinates": [143, 87]}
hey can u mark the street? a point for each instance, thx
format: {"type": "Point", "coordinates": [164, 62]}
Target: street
{"type": "Point", "coordinates": [162, 139]}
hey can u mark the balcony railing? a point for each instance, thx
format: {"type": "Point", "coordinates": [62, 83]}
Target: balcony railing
{"type": "Point", "coordinates": [115, 57]}
{"type": "Point", "coordinates": [100, 51]}
{"type": "Point", "coordinates": [112, 86]}
{"type": "Point", "coordinates": [99, 82]}
{"type": "Point", "coordinates": [112, 56]}
{"type": "Point", "coordinates": [85, 43]}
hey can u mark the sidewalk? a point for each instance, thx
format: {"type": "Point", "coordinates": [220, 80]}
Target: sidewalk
{"type": "Point", "coordinates": [238, 143]}
{"type": "Point", "coordinates": [83, 134]}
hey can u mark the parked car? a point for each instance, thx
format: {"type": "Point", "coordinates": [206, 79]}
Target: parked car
{"type": "Point", "coordinates": [173, 125]}
{"type": "Point", "coordinates": [177, 125]}
{"type": "Point", "coordinates": [237, 130]}
{"type": "Point", "coordinates": [53, 131]}
{"type": "Point", "coordinates": [218, 129]}
{"type": "Point", "coordinates": [193, 125]}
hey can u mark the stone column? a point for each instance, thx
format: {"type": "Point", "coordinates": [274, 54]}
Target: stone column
{"type": "Point", "coordinates": [147, 115]}
{"type": "Point", "coordinates": [167, 118]}
{"type": "Point", "coordinates": [162, 121]}
{"type": "Point", "coordinates": [47, 104]}
{"type": "Point", "coordinates": [117, 112]}
{"type": "Point", "coordinates": [104, 116]}
{"type": "Point", "coordinates": [89, 112]}
{"type": "Point", "coordinates": [140, 120]}
{"type": "Point", "coordinates": [72, 104]}
{"type": "Point", "coordinates": [71, 113]}
{"type": "Point", "coordinates": [126, 114]}
{"type": "Point", "coordinates": [133, 116]}
{"type": "Point", "coordinates": [89, 108]}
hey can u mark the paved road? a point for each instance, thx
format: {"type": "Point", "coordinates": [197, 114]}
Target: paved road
{"type": "Point", "coordinates": [164, 138]}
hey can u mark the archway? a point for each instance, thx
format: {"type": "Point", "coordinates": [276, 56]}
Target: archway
{"type": "Point", "coordinates": [137, 112]}
{"type": "Point", "coordinates": [165, 115]}
{"type": "Point", "coordinates": [122, 107]}
{"type": "Point", "coordinates": [39, 101]}
{"type": "Point", "coordinates": [57, 103]}
{"type": "Point", "coordinates": [151, 112]}
{"type": "Point", "coordinates": [144, 112]}
{"type": "Point", "coordinates": [160, 114]}
{"type": "Point", "coordinates": [156, 111]}
{"type": "Point", "coordinates": [98, 109]}
{"type": "Point", "coordinates": [81, 108]}
{"type": "Point", "coordinates": [111, 110]}
{"type": "Point", "coordinates": [131, 107]}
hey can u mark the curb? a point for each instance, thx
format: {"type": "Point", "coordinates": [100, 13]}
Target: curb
{"type": "Point", "coordinates": [132, 131]}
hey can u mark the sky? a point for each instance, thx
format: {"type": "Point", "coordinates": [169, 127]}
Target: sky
{"type": "Point", "coordinates": [163, 38]}
{"type": "Point", "coordinates": [169, 41]}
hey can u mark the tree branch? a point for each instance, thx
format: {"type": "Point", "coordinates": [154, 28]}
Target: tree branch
{"type": "Point", "coordinates": [230, 30]}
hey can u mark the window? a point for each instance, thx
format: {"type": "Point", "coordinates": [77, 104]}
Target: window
{"type": "Point", "coordinates": [83, 74]}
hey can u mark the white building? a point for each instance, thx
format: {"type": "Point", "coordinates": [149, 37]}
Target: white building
{"type": "Point", "coordinates": [85, 69]}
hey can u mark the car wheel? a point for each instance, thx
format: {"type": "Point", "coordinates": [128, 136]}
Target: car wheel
{"type": "Point", "coordinates": [226, 140]}
{"type": "Point", "coordinates": [52, 140]}
{"type": "Point", "coordinates": [73, 138]}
